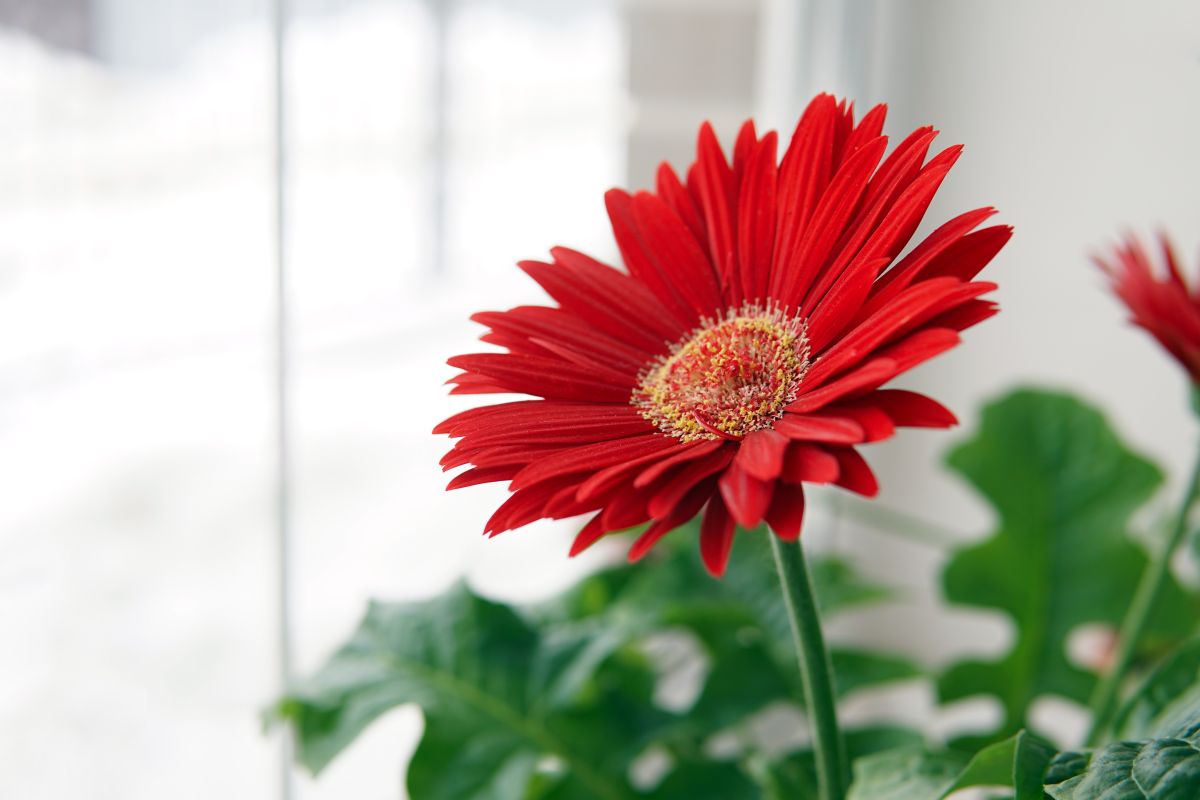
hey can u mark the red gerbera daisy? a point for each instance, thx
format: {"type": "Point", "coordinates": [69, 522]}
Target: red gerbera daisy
{"type": "Point", "coordinates": [742, 354]}
{"type": "Point", "coordinates": [1158, 298]}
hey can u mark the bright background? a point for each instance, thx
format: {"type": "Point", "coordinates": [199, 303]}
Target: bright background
{"type": "Point", "coordinates": [426, 146]}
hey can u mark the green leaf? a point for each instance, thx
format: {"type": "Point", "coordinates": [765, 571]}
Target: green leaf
{"type": "Point", "coordinates": [794, 777]}
{"type": "Point", "coordinates": [554, 701]}
{"type": "Point", "coordinates": [490, 764]}
{"type": "Point", "coordinates": [791, 778]}
{"type": "Point", "coordinates": [456, 655]}
{"type": "Point", "coordinates": [861, 742]}
{"type": "Point", "coordinates": [839, 586]}
{"type": "Point", "coordinates": [906, 774]}
{"type": "Point", "coordinates": [1063, 486]}
{"type": "Point", "coordinates": [1167, 698]}
{"type": "Point", "coordinates": [1018, 762]}
{"type": "Point", "coordinates": [1154, 769]}
{"type": "Point", "coordinates": [466, 662]}
{"type": "Point", "coordinates": [916, 773]}
{"type": "Point", "coordinates": [854, 669]}
{"type": "Point", "coordinates": [700, 779]}
{"type": "Point", "coordinates": [1066, 765]}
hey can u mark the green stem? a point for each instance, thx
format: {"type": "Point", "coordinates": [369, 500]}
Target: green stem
{"type": "Point", "coordinates": [1104, 699]}
{"type": "Point", "coordinates": [815, 672]}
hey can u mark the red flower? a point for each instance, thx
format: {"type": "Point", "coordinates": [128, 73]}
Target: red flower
{"type": "Point", "coordinates": [1160, 303]}
{"type": "Point", "coordinates": [743, 353]}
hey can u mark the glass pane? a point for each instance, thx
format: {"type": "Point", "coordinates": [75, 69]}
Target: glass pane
{"type": "Point", "coordinates": [136, 565]}
{"type": "Point", "coordinates": [533, 105]}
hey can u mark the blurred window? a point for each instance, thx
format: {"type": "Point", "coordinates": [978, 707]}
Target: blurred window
{"type": "Point", "coordinates": [429, 146]}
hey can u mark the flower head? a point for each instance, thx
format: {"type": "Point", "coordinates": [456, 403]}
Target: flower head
{"type": "Point", "coordinates": [1158, 298]}
{"type": "Point", "coordinates": [743, 353]}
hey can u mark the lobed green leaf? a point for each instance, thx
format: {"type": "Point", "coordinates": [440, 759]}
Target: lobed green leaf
{"type": "Point", "coordinates": [1064, 487]}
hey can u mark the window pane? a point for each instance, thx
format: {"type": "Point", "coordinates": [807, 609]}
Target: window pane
{"type": "Point", "coordinates": [533, 105]}
{"type": "Point", "coordinates": [136, 564]}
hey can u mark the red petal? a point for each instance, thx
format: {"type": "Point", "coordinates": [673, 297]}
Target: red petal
{"type": "Point", "coordinates": [876, 425]}
{"type": "Point", "coordinates": [590, 457]}
{"type": "Point", "coordinates": [530, 413]}
{"type": "Point", "coordinates": [909, 208]}
{"type": "Point", "coordinates": [896, 172]}
{"type": "Point", "coordinates": [912, 410]}
{"type": "Point", "coordinates": [810, 463]}
{"type": "Point", "coordinates": [842, 128]}
{"type": "Point", "coordinates": [746, 496]}
{"type": "Point", "coordinates": [592, 532]}
{"type": "Point", "coordinates": [803, 176]}
{"type": "Point", "coordinates": [756, 219]}
{"type": "Point", "coordinates": [716, 537]}
{"type": "Point", "coordinates": [969, 255]}
{"type": "Point", "coordinates": [920, 347]}
{"type": "Point", "coordinates": [966, 315]}
{"type": "Point", "coordinates": [868, 128]}
{"type": "Point", "coordinates": [525, 506]}
{"type": "Point", "coordinates": [715, 191]}
{"type": "Point", "coordinates": [551, 378]}
{"type": "Point", "coordinates": [911, 305]}
{"type": "Point", "coordinates": [637, 255]}
{"type": "Point", "coordinates": [621, 472]}
{"type": "Point", "coordinates": [802, 265]}
{"type": "Point", "coordinates": [761, 454]}
{"type": "Point", "coordinates": [843, 302]}
{"type": "Point", "coordinates": [672, 491]}
{"type": "Point", "coordinates": [626, 509]}
{"type": "Point", "coordinates": [912, 266]}
{"type": "Point", "coordinates": [687, 508]}
{"type": "Point", "coordinates": [673, 193]}
{"type": "Point", "coordinates": [546, 328]}
{"type": "Point", "coordinates": [786, 514]}
{"type": "Point", "coordinates": [678, 256]}
{"type": "Point", "coordinates": [475, 384]}
{"type": "Point", "coordinates": [560, 433]}
{"type": "Point", "coordinates": [601, 296]}
{"type": "Point", "coordinates": [496, 455]}
{"type": "Point", "coordinates": [856, 475]}
{"type": "Point", "coordinates": [813, 428]}
{"type": "Point", "coordinates": [478, 475]}
{"type": "Point", "coordinates": [889, 228]}
{"type": "Point", "coordinates": [743, 146]}
{"type": "Point", "coordinates": [686, 452]}
{"type": "Point", "coordinates": [868, 374]}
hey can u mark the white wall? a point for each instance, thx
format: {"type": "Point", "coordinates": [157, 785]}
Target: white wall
{"type": "Point", "coordinates": [1079, 120]}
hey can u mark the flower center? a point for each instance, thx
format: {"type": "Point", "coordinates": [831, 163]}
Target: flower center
{"type": "Point", "coordinates": [727, 378]}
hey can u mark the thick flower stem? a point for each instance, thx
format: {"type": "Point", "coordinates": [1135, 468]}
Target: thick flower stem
{"type": "Point", "coordinates": [1104, 699]}
{"type": "Point", "coordinates": [815, 671]}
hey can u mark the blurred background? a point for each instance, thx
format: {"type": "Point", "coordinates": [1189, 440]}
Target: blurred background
{"type": "Point", "coordinates": [191, 189]}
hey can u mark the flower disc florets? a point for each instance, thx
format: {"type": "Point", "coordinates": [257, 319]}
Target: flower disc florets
{"type": "Point", "coordinates": [728, 377]}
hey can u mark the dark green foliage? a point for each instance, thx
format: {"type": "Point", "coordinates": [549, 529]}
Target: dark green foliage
{"type": "Point", "coordinates": [1166, 768]}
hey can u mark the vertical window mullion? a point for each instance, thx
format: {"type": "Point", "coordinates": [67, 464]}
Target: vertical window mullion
{"type": "Point", "coordinates": [282, 350]}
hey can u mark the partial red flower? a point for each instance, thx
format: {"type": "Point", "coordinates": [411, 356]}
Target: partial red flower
{"type": "Point", "coordinates": [744, 352]}
{"type": "Point", "coordinates": [1158, 297]}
